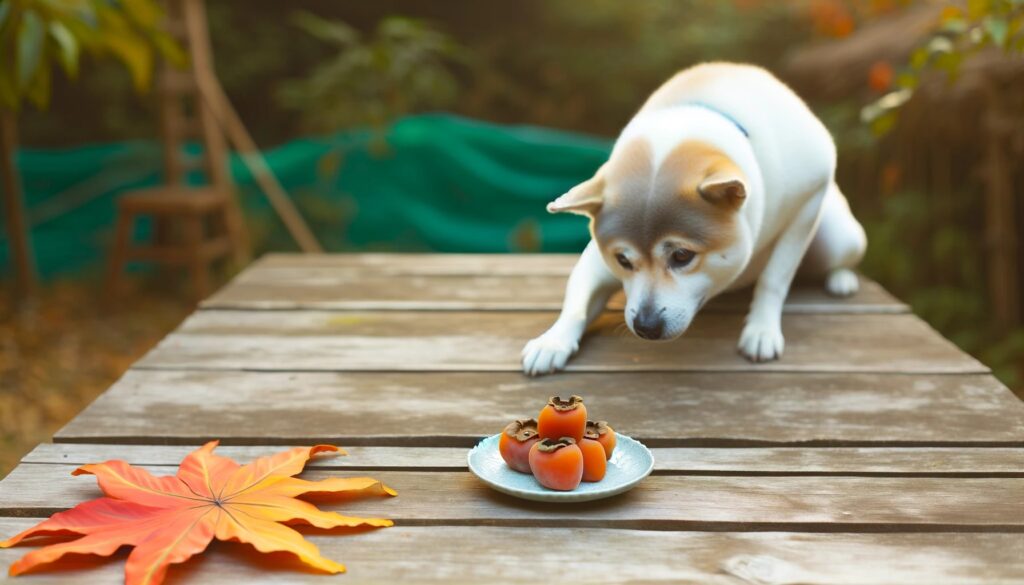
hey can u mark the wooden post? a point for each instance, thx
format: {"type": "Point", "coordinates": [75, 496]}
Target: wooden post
{"type": "Point", "coordinates": [14, 209]}
{"type": "Point", "coordinates": [1000, 218]}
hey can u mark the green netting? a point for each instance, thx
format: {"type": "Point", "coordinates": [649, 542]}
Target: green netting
{"type": "Point", "coordinates": [433, 182]}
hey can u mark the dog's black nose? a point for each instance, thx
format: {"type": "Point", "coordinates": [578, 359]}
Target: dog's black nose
{"type": "Point", "coordinates": [648, 326]}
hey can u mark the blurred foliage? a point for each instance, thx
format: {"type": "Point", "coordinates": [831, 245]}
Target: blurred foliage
{"type": "Point", "coordinates": [590, 69]}
{"type": "Point", "coordinates": [38, 35]}
{"type": "Point", "coordinates": [533, 61]}
{"type": "Point", "coordinates": [924, 245]}
{"type": "Point", "coordinates": [587, 67]}
{"type": "Point", "coordinates": [925, 252]}
{"type": "Point", "coordinates": [406, 66]}
{"type": "Point", "coordinates": [960, 32]}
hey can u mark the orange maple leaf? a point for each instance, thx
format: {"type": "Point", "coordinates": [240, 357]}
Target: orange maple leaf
{"type": "Point", "coordinates": [168, 519]}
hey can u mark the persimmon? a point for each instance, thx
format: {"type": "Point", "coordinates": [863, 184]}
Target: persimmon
{"type": "Point", "coordinates": [595, 460]}
{"type": "Point", "coordinates": [563, 418]}
{"type": "Point", "coordinates": [557, 464]}
{"type": "Point", "coordinates": [602, 433]}
{"type": "Point", "coordinates": [515, 443]}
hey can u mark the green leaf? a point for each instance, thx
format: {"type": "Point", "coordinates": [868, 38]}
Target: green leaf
{"type": "Point", "coordinates": [949, 63]}
{"type": "Point", "coordinates": [919, 58]}
{"type": "Point", "coordinates": [170, 49]}
{"type": "Point", "coordinates": [332, 31]}
{"type": "Point", "coordinates": [939, 44]}
{"type": "Point", "coordinates": [145, 13]}
{"type": "Point", "coordinates": [5, 11]}
{"type": "Point", "coordinates": [976, 9]}
{"type": "Point", "coordinates": [907, 79]}
{"type": "Point", "coordinates": [954, 25]}
{"type": "Point", "coordinates": [39, 90]}
{"type": "Point", "coordinates": [136, 55]}
{"type": "Point", "coordinates": [68, 45]}
{"type": "Point", "coordinates": [997, 29]}
{"type": "Point", "coordinates": [30, 47]}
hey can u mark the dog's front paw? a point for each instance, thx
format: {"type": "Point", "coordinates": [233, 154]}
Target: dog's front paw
{"type": "Point", "coordinates": [761, 342]}
{"type": "Point", "coordinates": [842, 282]}
{"type": "Point", "coordinates": [548, 353]}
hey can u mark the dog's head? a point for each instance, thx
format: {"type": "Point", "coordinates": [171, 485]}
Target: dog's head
{"type": "Point", "coordinates": [667, 227]}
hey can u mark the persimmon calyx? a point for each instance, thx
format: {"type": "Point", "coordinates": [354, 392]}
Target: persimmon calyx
{"type": "Point", "coordinates": [595, 429]}
{"type": "Point", "coordinates": [522, 430]}
{"type": "Point", "coordinates": [571, 403]}
{"type": "Point", "coordinates": [552, 445]}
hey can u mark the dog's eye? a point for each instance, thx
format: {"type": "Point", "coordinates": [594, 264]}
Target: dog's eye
{"type": "Point", "coordinates": [623, 261]}
{"type": "Point", "coordinates": [682, 257]}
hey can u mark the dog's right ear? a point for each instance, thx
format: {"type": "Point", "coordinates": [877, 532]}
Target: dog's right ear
{"type": "Point", "coordinates": [583, 199]}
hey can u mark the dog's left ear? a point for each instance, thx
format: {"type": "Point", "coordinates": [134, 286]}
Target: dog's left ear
{"type": "Point", "coordinates": [725, 191]}
{"type": "Point", "coordinates": [583, 199]}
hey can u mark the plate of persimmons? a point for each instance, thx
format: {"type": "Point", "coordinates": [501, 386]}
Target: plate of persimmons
{"type": "Point", "coordinates": [561, 456]}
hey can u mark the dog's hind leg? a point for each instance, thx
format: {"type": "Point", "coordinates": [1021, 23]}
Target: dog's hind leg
{"type": "Point", "coordinates": [837, 247]}
{"type": "Point", "coordinates": [590, 285]}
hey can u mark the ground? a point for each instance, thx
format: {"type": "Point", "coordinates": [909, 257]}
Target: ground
{"type": "Point", "coordinates": [63, 350]}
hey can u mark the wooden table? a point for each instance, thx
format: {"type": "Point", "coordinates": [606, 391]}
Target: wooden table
{"type": "Point", "coordinates": [873, 452]}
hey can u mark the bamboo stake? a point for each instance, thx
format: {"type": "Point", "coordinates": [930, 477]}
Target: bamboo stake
{"type": "Point", "coordinates": [211, 91]}
{"type": "Point", "coordinates": [253, 159]}
{"type": "Point", "coordinates": [14, 209]}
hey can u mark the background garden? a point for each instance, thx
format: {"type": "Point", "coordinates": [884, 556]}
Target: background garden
{"type": "Point", "coordinates": [398, 125]}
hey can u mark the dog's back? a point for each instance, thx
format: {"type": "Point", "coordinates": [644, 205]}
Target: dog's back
{"type": "Point", "coordinates": [795, 151]}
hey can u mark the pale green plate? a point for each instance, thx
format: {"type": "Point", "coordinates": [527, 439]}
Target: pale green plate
{"type": "Point", "coordinates": [631, 462]}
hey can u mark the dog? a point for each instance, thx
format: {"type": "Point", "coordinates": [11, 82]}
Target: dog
{"type": "Point", "coordinates": [723, 179]}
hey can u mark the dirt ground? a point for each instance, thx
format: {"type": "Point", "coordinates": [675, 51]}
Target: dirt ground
{"type": "Point", "coordinates": [64, 349]}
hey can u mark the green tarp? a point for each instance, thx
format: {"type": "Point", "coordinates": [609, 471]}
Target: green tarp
{"type": "Point", "coordinates": [431, 182]}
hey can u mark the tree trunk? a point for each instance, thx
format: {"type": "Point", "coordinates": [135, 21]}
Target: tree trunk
{"type": "Point", "coordinates": [14, 209]}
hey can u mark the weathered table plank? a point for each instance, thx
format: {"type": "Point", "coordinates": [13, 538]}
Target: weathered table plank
{"type": "Point", "coordinates": [892, 461]}
{"type": "Point", "coordinates": [457, 408]}
{"type": "Point", "coordinates": [436, 555]}
{"type": "Point", "coordinates": [423, 264]}
{"type": "Point", "coordinates": [662, 502]}
{"type": "Point", "coordinates": [438, 341]}
{"type": "Point", "coordinates": [871, 424]}
{"type": "Point", "coordinates": [271, 287]}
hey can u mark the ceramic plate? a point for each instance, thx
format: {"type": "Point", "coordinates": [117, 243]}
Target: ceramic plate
{"type": "Point", "coordinates": [631, 462]}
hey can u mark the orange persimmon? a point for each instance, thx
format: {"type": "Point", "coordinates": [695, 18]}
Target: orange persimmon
{"type": "Point", "coordinates": [515, 443]}
{"type": "Point", "coordinates": [602, 433]}
{"type": "Point", "coordinates": [563, 418]}
{"type": "Point", "coordinates": [595, 461]}
{"type": "Point", "coordinates": [557, 464]}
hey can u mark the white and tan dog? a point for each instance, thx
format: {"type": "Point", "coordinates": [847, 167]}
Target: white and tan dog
{"type": "Point", "coordinates": [723, 179]}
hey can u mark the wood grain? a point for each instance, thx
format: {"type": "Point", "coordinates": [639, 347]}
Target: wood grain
{"type": "Point", "coordinates": [438, 555]}
{"type": "Point", "coordinates": [931, 462]}
{"type": "Point", "coordinates": [457, 408]}
{"type": "Point", "coordinates": [445, 341]}
{"type": "Point", "coordinates": [661, 502]}
{"type": "Point", "coordinates": [425, 264]}
{"type": "Point", "coordinates": [406, 286]}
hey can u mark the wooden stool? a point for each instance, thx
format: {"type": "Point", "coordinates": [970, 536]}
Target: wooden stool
{"type": "Point", "coordinates": [208, 231]}
{"type": "Point", "coordinates": [193, 226]}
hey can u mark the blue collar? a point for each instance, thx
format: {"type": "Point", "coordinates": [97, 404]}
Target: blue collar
{"type": "Point", "coordinates": [734, 121]}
